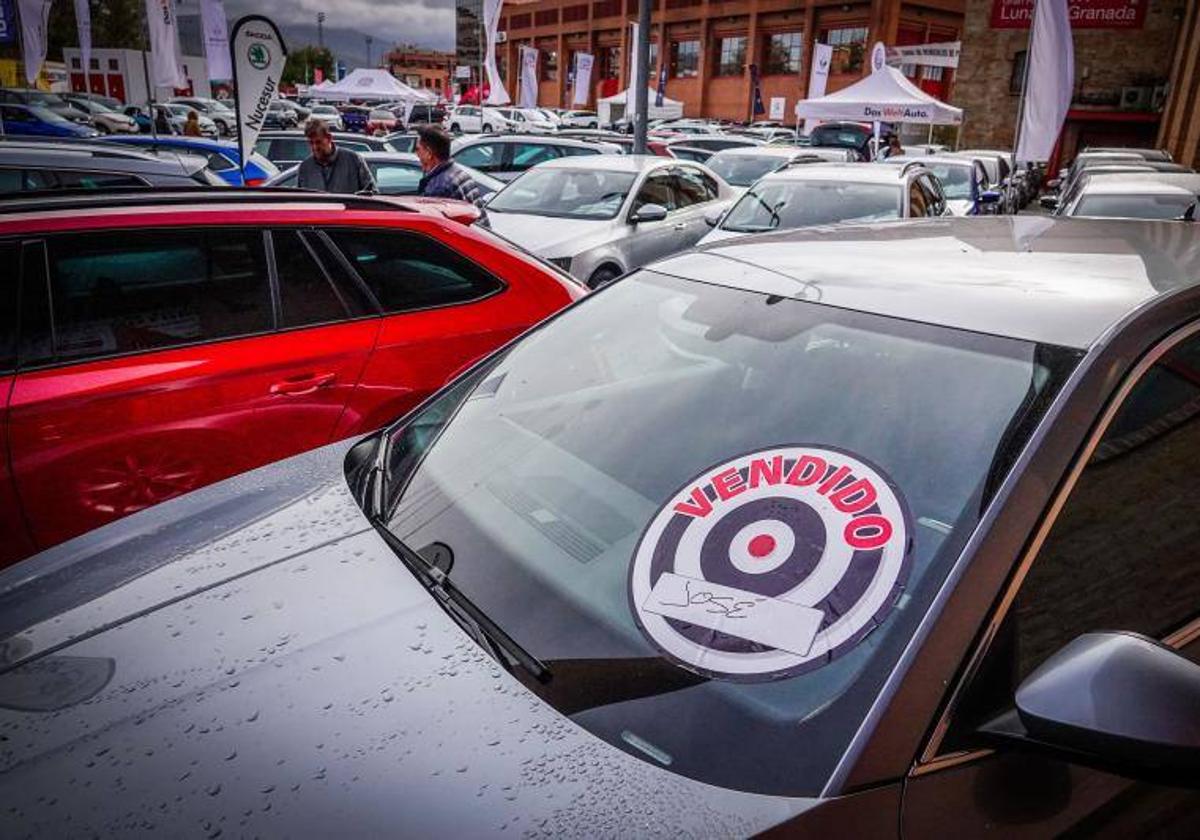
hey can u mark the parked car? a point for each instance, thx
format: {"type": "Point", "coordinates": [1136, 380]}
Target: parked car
{"type": "Point", "coordinates": [692, 153]}
{"type": "Point", "coordinates": [402, 141]}
{"type": "Point", "coordinates": [741, 167]}
{"type": "Point", "coordinates": [46, 100]}
{"type": "Point", "coordinates": [998, 168]}
{"type": "Point", "coordinates": [712, 142]}
{"type": "Point", "coordinates": [1146, 154]}
{"type": "Point", "coordinates": [280, 116]}
{"type": "Point", "coordinates": [285, 149]}
{"type": "Point", "coordinates": [36, 121]}
{"type": "Point", "coordinates": [497, 614]}
{"type": "Point", "coordinates": [355, 118]}
{"type": "Point", "coordinates": [424, 114]}
{"type": "Point", "coordinates": [964, 182]}
{"type": "Point", "coordinates": [198, 357]}
{"type": "Point", "coordinates": [1136, 195]}
{"type": "Point", "coordinates": [471, 119]}
{"type": "Point", "coordinates": [507, 156]}
{"type": "Point", "coordinates": [847, 135]}
{"type": "Point", "coordinates": [1068, 178]}
{"type": "Point", "coordinates": [601, 216]}
{"type": "Point", "coordinates": [176, 117]}
{"type": "Point", "coordinates": [767, 134]}
{"type": "Point", "coordinates": [525, 121]}
{"type": "Point", "coordinates": [222, 115]}
{"type": "Point", "coordinates": [329, 115]}
{"type": "Point", "coordinates": [104, 119]}
{"type": "Point", "coordinates": [223, 157]}
{"type": "Point", "coordinates": [395, 174]}
{"type": "Point", "coordinates": [622, 142]}
{"type": "Point", "coordinates": [689, 126]}
{"type": "Point", "coordinates": [829, 193]}
{"type": "Point", "coordinates": [381, 121]}
{"type": "Point", "coordinates": [1067, 193]}
{"type": "Point", "coordinates": [580, 119]}
{"type": "Point", "coordinates": [107, 101]}
{"type": "Point", "coordinates": [36, 165]}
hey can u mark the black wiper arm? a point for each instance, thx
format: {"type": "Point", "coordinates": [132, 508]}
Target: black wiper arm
{"type": "Point", "coordinates": [441, 584]}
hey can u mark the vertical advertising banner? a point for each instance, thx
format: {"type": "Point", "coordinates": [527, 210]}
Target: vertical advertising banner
{"type": "Point", "coordinates": [661, 93]}
{"type": "Point", "coordinates": [497, 95]}
{"type": "Point", "coordinates": [34, 17]}
{"type": "Point", "coordinates": [83, 23]}
{"type": "Point", "coordinates": [819, 76]}
{"type": "Point", "coordinates": [165, 62]}
{"type": "Point", "coordinates": [216, 39]}
{"type": "Point", "coordinates": [258, 56]}
{"type": "Point", "coordinates": [1050, 80]}
{"type": "Point", "coordinates": [529, 78]}
{"type": "Point", "coordinates": [756, 91]}
{"type": "Point", "coordinates": [583, 78]}
{"type": "Point", "coordinates": [8, 22]}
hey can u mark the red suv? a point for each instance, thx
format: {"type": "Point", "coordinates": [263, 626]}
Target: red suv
{"type": "Point", "coordinates": [150, 345]}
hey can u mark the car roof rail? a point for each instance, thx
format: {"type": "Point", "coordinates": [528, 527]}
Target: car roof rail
{"type": "Point", "coordinates": [85, 199]}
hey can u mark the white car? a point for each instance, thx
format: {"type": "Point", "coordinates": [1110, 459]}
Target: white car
{"type": "Point", "coordinates": [580, 119]}
{"type": "Point", "coordinates": [740, 167]}
{"type": "Point", "coordinates": [471, 119]}
{"type": "Point", "coordinates": [1136, 195]}
{"type": "Point", "coordinates": [527, 121]}
{"type": "Point", "coordinates": [329, 115]}
{"type": "Point", "coordinates": [828, 193]}
{"type": "Point", "coordinates": [598, 217]}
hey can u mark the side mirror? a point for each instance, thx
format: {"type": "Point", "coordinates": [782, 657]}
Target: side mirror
{"type": "Point", "coordinates": [713, 217]}
{"type": "Point", "coordinates": [1049, 202]}
{"type": "Point", "coordinates": [990, 197]}
{"type": "Point", "coordinates": [1119, 702]}
{"type": "Point", "coordinates": [648, 213]}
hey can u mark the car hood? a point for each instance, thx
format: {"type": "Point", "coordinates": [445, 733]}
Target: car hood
{"type": "Point", "coordinates": [718, 235]}
{"type": "Point", "coordinates": [551, 237]}
{"type": "Point", "coordinates": [252, 659]}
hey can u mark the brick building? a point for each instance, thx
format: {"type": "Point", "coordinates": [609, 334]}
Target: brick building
{"type": "Point", "coordinates": [707, 46]}
{"type": "Point", "coordinates": [421, 68]}
{"type": "Point", "coordinates": [1124, 72]}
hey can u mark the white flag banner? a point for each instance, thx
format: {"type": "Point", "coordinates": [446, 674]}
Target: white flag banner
{"type": "Point", "coordinates": [529, 78]}
{"type": "Point", "coordinates": [35, 15]}
{"type": "Point", "coordinates": [583, 78]}
{"type": "Point", "coordinates": [1050, 80]}
{"type": "Point", "coordinates": [633, 61]}
{"type": "Point", "coordinates": [83, 23]}
{"type": "Point", "coordinates": [166, 68]}
{"type": "Point", "coordinates": [818, 76]}
{"type": "Point", "coordinates": [258, 58]}
{"type": "Point", "coordinates": [943, 54]}
{"type": "Point", "coordinates": [216, 39]}
{"type": "Point", "coordinates": [497, 94]}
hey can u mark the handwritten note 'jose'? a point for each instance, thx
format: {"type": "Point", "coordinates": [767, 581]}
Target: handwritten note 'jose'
{"type": "Point", "coordinates": [756, 618]}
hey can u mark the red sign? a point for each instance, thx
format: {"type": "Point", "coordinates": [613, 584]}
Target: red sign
{"type": "Point", "coordinates": [1085, 14]}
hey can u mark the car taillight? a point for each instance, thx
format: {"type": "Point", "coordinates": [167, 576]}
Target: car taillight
{"type": "Point", "coordinates": [255, 182]}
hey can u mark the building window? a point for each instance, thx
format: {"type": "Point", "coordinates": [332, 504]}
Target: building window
{"type": "Point", "coordinates": [1017, 80]}
{"type": "Point", "coordinates": [849, 47]}
{"type": "Point", "coordinates": [574, 14]}
{"type": "Point", "coordinates": [549, 65]}
{"type": "Point", "coordinates": [606, 8]}
{"type": "Point", "coordinates": [548, 17]}
{"type": "Point", "coordinates": [521, 21]}
{"type": "Point", "coordinates": [113, 65]}
{"type": "Point", "coordinates": [685, 59]}
{"type": "Point", "coordinates": [731, 60]}
{"type": "Point", "coordinates": [610, 62]}
{"type": "Point", "coordinates": [75, 64]}
{"type": "Point", "coordinates": [783, 53]}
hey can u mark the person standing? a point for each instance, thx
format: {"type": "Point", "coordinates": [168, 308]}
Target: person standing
{"type": "Point", "coordinates": [892, 147]}
{"type": "Point", "coordinates": [443, 177]}
{"type": "Point", "coordinates": [329, 168]}
{"type": "Point", "coordinates": [191, 126]}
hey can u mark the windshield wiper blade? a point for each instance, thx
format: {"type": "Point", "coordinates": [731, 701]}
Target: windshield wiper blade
{"type": "Point", "coordinates": [441, 584]}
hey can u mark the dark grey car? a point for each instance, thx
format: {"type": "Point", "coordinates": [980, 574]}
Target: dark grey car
{"type": "Point", "coordinates": [812, 530]}
{"type": "Point", "coordinates": [37, 166]}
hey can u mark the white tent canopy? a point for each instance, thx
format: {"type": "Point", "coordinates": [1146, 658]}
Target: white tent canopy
{"type": "Point", "coordinates": [615, 107]}
{"type": "Point", "coordinates": [884, 96]}
{"type": "Point", "coordinates": [373, 85]}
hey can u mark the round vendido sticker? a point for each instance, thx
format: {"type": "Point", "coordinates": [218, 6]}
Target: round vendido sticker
{"type": "Point", "coordinates": [772, 563]}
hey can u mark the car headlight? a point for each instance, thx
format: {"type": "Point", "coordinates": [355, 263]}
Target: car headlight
{"type": "Point", "coordinates": [562, 262]}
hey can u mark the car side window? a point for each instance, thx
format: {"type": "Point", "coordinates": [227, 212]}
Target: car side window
{"type": "Point", "coordinates": [306, 294]}
{"type": "Point", "coordinates": [407, 271]}
{"type": "Point", "coordinates": [1121, 554]}
{"type": "Point", "coordinates": [74, 179]}
{"type": "Point", "coordinates": [151, 289]}
{"type": "Point", "coordinates": [525, 155]}
{"type": "Point", "coordinates": [659, 188]}
{"type": "Point", "coordinates": [393, 179]}
{"type": "Point", "coordinates": [10, 255]}
{"type": "Point", "coordinates": [16, 115]}
{"type": "Point", "coordinates": [486, 157]}
{"type": "Point", "coordinates": [690, 189]}
{"type": "Point", "coordinates": [289, 148]}
{"type": "Point", "coordinates": [934, 203]}
{"type": "Point", "coordinates": [697, 180]}
{"type": "Point", "coordinates": [576, 151]}
{"type": "Point", "coordinates": [219, 163]}
{"type": "Point", "coordinates": [917, 205]}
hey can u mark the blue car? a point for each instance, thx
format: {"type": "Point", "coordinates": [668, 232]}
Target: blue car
{"type": "Point", "coordinates": [223, 157]}
{"type": "Point", "coordinates": [39, 121]}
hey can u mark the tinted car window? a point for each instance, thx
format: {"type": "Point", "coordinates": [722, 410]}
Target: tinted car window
{"type": "Point", "coordinates": [485, 157]}
{"type": "Point", "coordinates": [657, 189]}
{"type": "Point", "coordinates": [576, 151]}
{"type": "Point", "coordinates": [96, 180]}
{"type": "Point", "coordinates": [289, 148]}
{"type": "Point", "coordinates": [144, 290]}
{"type": "Point", "coordinates": [396, 179]}
{"type": "Point", "coordinates": [306, 295]}
{"type": "Point", "coordinates": [219, 163]}
{"type": "Point", "coordinates": [694, 186]}
{"type": "Point", "coordinates": [407, 271]}
{"type": "Point", "coordinates": [525, 155]}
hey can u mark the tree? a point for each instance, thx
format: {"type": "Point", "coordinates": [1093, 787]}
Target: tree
{"type": "Point", "coordinates": [117, 24]}
{"type": "Point", "coordinates": [303, 61]}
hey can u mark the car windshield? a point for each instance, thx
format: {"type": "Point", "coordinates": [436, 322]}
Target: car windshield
{"type": "Point", "coordinates": [324, 109]}
{"type": "Point", "coordinates": [45, 114]}
{"type": "Point", "coordinates": [744, 170]}
{"type": "Point", "coordinates": [956, 180]}
{"type": "Point", "coordinates": [1135, 206]}
{"type": "Point", "coordinates": [563, 482]}
{"type": "Point", "coordinates": [565, 193]}
{"type": "Point", "coordinates": [851, 138]}
{"type": "Point", "coordinates": [777, 204]}
{"type": "Point", "coordinates": [47, 100]}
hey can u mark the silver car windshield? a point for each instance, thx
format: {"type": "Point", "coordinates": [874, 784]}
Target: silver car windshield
{"type": "Point", "coordinates": [956, 180]}
{"type": "Point", "coordinates": [551, 476]}
{"type": "Point", "coordinates": [743, 170]}
{"type": "Point", "coordinates": [771, 205]}
{"type": "Point", "coordinates": [1134, 206]}
{"type": "Point", "coordinates": [565, 193]}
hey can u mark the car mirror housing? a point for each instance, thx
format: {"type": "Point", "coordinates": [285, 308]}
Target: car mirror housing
{"type": "Point", "coordinates": [1116, 701]}
{"type": "Point", "coordinates": [648, 213]}
{"type": "Point", "coordinates": [713, 217]}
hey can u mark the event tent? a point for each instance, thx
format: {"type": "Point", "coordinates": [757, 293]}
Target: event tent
{"type": "Point", "coordinates": [615, 107]}
{"type": "Point", "coordinates": [373, 85]}
{"type": "Point", "coordinates": [883, 96]}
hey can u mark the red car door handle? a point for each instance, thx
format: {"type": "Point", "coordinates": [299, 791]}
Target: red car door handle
{"type": "Point", "coordinates": [304, 384]}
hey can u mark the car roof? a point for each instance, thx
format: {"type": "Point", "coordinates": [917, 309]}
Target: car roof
{"type": "Point", "coordinates": [104, 156]}
{"type": "Point", "coordinates": [548, 139]}
{"type": "Point", "coordinates": [781, 152]}
{"type": "Point", "coordinates": [1142, 183]}
{"type": "Point", "coordinates": [859, 173]}
{"type": "Point", "coordinates": [1052, 280]}
{"type": "Point", "coordinates": [633, 164]}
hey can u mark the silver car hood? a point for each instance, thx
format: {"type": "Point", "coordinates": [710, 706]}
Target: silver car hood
{"type": "Point", "coordinates": [259, 662]}
{"type": "Point", "coordinates": [552, 237]}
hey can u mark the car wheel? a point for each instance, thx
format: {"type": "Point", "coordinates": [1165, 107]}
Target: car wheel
{"type": "Point", "coordinates": [103, 129]}
{"type": "Point", "coordinates": [602, 276]}
{"type": "Point", "coordinates": [593, 125]}
{"type": "Point", "coordinates": [487, 129]}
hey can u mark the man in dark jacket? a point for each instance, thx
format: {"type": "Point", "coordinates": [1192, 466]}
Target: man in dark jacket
{"type": "Point", "coordinates": [443, 177]}
{"type": "Point", "coordinates": [329, 168]}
